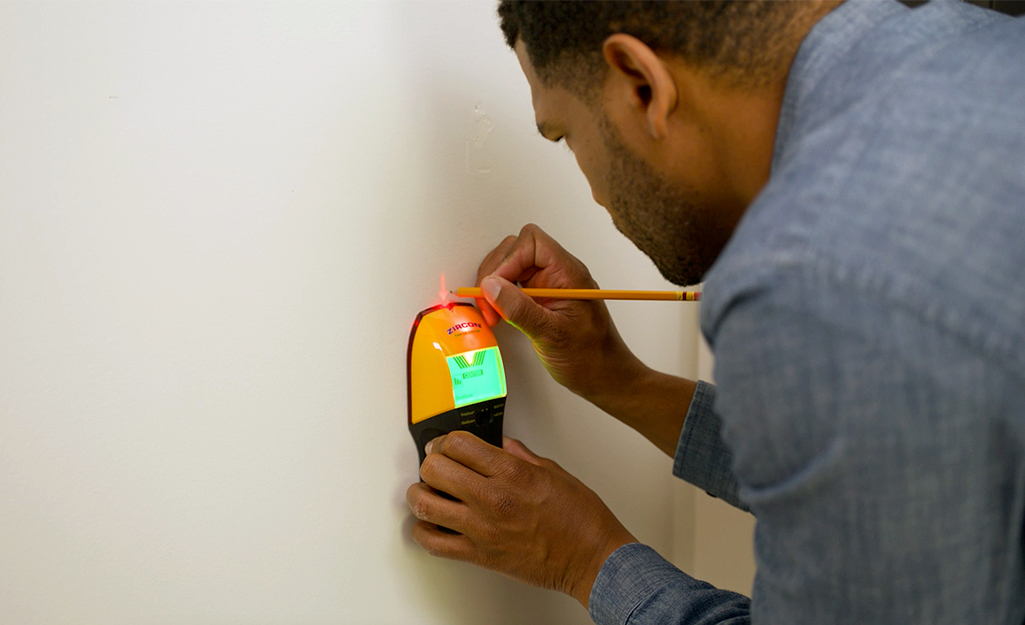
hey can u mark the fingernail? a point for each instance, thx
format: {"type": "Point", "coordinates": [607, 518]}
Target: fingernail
{"type": "Point", "coordinates": [491, 287]}
{"type": "Point", "coordinates": [429, 447]}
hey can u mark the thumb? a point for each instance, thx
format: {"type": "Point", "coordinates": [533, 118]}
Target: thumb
{"type": "Point", "coordinates": [515, 306]}
{"type": "Point", "coordinates": [520, 450]}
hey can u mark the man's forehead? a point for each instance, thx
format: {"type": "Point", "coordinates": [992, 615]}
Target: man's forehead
{"type": "Point", "coordinates": [527, 67]}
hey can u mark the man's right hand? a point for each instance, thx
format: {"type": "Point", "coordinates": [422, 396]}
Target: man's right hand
{"type": "Point", "coordinates": [576, 339]}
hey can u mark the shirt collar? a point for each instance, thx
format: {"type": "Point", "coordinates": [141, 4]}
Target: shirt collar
{"type": "Point", "coordinates": [827, 45]}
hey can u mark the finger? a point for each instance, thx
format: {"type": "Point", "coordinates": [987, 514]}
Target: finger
{"type": "Point", "coordinates": [439, 543]}
{"type": "Point", "coordinates": [519, 262]}
{"type": "Point", "coordinates": [520, 450]}
{"type": "Point", "coordinates": [516, 307]}
{"type": "Point", "coordinates": [429, 505]}
{"type": "Point", "coordinates": [495, 257]}
{"type": "Point", "coordinates": [471, 452]}
{"type": "Point", "coordinates": [491, 316]}
{"type": "Point", "coordinates": [450, 476]}
{"type": "Point", "coordinates": [490, 262]}
{"type": "Point", "coordinates": [539, 258]}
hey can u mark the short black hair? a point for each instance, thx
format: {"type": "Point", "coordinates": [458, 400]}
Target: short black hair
{"type": "Point", "coordinates": [739, 41]}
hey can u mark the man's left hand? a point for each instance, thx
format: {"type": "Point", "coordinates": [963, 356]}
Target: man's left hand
{"type": "Point", "coordinates": [515, 513]}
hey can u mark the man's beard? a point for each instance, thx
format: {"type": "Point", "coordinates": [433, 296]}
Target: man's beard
{"type": "Point", "coordinates": [667, 223]}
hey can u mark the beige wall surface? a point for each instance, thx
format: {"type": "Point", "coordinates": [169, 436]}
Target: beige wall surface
{"type": "Point", "coordinates": [722, 550]}
{"type": "Point", "coordinates": [217, 223]}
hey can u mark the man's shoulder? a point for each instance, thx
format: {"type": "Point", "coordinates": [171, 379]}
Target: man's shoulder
{"type": "Point", "coordinates": [906, 187]}
{"type": "Point", "coordinates": [936, 247]}
{"type": "Point", "coordinates": [865, 50]}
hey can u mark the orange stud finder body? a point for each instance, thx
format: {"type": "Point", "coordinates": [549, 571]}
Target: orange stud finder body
{"type": "Point", "coordinates": [455, 377]}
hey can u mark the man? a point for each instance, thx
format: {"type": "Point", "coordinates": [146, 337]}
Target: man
{"type": "Point", "coordinates": [849, 182]}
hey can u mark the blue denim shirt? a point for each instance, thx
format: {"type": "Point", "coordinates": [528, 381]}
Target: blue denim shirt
{"type": "Point", "coordinates": [868, 323]}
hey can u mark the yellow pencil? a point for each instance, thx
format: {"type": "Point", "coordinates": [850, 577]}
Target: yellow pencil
{"type": "Point", "coordinates": [678, 296]}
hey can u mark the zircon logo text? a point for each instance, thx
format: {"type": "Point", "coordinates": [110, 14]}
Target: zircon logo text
{"type": "Point", "coordinates": [466, 325]}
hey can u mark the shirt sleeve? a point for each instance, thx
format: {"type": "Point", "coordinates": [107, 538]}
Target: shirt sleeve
{"type": "Point", "coordinates": [702, 458]}
{"type": "Point", "coordinates": [636, 586]}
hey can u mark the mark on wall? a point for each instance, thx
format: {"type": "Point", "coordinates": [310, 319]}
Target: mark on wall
{"type": "Point", "coordinates": [478, 157]}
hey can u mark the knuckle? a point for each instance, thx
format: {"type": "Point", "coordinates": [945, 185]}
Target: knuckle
{"type": "Point", "coordinates": [516, 472]}
{"type": "Point", "coordinates": [536, 233]}
{"type": "Point", "coordinates": [432, 546]}
{"type": "Point", "coordinates": [550, 464]}
{"type": "Point", "coordinates": [487, 534]}
{"type": "Point", "coordinates": [421, 507]}
{"type": "Point", "coordinates": [556, 334]}
{"type": "Point", "coordinates": [495, 257]}
{"type": "Point", "coordinates": [504, 504]}
{"type": "Point", "coordinates": [429, 466]}
{"type": "Point", "coordinates": [458, 441]}
{"type": "Point", "coordinates": [502, 501]}
{"type": "Point", "coordinates": [429, 543]}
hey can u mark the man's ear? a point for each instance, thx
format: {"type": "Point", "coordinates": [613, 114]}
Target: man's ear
{"type": "Point", "coordinates": [648, 85]}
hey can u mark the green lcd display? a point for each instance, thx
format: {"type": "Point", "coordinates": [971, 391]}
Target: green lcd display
{"type": "Point", "coordinates": [477, 376]}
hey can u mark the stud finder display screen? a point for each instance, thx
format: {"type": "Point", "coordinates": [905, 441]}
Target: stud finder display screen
{"type": "Point", "coordinates": [477, 376]}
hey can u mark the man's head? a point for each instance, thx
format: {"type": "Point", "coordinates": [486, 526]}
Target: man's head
{"type": "Point", "coordinates": [669, 107]}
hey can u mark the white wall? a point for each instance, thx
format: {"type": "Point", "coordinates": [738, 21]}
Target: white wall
{"type": "Point", "coordinates": [217, 223]}
{"type": "Point", "coordinates": [722, 537]}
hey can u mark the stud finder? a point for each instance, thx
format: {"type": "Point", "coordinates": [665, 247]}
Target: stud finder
{"type": "Point", "coordinates": [455, 378]}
